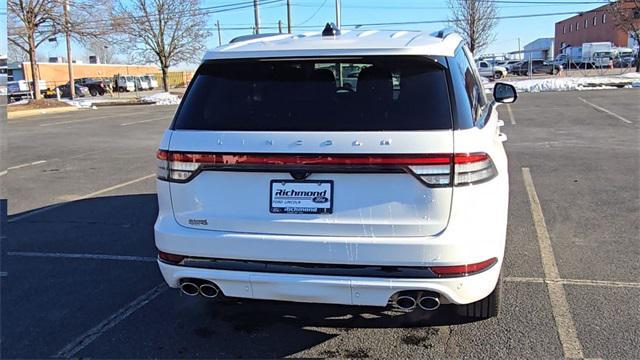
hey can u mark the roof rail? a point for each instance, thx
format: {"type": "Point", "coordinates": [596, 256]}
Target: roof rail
{"type": "Point", "coordinates": [251, 37]}
{"type": "Point", "coordinates": [443, 33]}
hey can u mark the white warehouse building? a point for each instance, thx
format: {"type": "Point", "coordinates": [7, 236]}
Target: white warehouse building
{"type": "Point", "coordinates": [541, 48]}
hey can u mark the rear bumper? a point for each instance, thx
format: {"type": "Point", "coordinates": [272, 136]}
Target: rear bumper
{"type": "Point", "coordinates": [369, 291]}
{"type": "Point", "coordinates": [476, 232]}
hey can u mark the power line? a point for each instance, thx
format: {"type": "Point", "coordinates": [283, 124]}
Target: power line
{"type": "Point", "coordinates": [314, 13]}
{"type": "Point", "coordinates": [417, 22]}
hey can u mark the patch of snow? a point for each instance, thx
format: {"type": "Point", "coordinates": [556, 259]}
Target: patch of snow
{"type": "Point", "coordinates": [82, 104]}
{"type": "Point", "coordinates": [163, 98]}
{"type": "Point", "coordinates": [20, 102]}
{"type": "Point", "coordinates": [567, 83]}
{"type": "Point", "coordinates": [632, 75]}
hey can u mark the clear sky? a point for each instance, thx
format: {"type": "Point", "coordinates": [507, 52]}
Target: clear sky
{"type": "Point", "coordinates": [316, 13]}
{"type": "Point", "coordinates": [3, 27]}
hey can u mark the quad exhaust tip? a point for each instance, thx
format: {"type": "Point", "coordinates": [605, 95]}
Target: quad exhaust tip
{"type": "Point", "coordinates": [209, 290]}
{"type": "Point", "coordinates": [405, 303]}
{"type": "Point", "coordinates": [189, 288]}
{"type": "Point", "coordinates": [193, 287]}
{"type": "Point", "coordinates": [429, 303]}
{"type": "Point", "coordinates": [409, 301]}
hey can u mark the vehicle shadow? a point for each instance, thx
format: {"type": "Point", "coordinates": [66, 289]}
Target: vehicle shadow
{"type": "Point", "coordinates": [340, 316]}
{"type": "Point", "coordinates": [123, 225]}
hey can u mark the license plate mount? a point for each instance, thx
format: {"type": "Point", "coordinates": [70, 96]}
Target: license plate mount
{"type": "Point", "coordinates": [301, 197]}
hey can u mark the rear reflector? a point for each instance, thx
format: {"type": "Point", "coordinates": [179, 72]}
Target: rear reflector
{"type": "Point", "coordinates": [432, 169]}
{"type": "Point", "coordinates": [173, 258]}
{"type": "Point", "coordinates": [463, 270]}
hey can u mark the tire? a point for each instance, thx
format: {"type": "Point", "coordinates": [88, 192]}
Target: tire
{"type": "Point", "coordinates": [486, 308]}
{"type": "Point", "coordinates": [93, 92]}
{"type": "Point", "coordinates": [497, 75]}
{"type": "Point", "coordinates": [101, 92]}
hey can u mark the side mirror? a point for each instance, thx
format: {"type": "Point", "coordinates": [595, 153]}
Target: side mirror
{"type": "Point", "coordinates": [504, 93]}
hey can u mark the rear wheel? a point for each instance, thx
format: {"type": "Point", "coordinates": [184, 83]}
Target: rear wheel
{"type": "Point", "coordinates": [486, 308]}
{"type": "Point", "coordinates": [498, 75]}
{"type": "Point", "coordinates": [93, 92]}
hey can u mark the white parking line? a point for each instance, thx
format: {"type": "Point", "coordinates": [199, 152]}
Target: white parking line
{"type": "Point", "coordinates": [142, 121]}
{"type": "Point", "coordinates": [83, 256]}
{"type": "Point", "coordinates": [99, 192]}
{"type": "Point", "coordinates": [605, 111]}
{"type": "Point", "coordinates": [4, 172]}
{"type": "Point", "coordinates": [64, 122]}
{"type": "Point", "coordinates": [560, 307]}
{"type": "Point", "coordinates": [603, 283]}
{"type": "Point", "coordinates": [513, 121]}
{"type": "Point", "coordinates": [83, 120]}
{"type": "Point", "coordinates": [27, 164]}
{"type": "Point", "coordinates": [87, 338]}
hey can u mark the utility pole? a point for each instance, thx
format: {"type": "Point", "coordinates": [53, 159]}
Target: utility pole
{"type": "Point", "coordinates": [519, 53]}
{"type": "Point", "coordinates": [219, 37]}
{"type": "Point", "coordinates": [338, 20]}
{"type": "Point", "coordinates": [289, 16]}
{"type": "Point", "coordinates": [280, 26]}
{"type": "Point", "coordinates": [256, 14]}
{"type": "Point", "coordinates": [72, 88]}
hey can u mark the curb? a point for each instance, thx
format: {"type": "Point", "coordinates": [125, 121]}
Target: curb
{"type": "Point", "coordinates": [34, 112]}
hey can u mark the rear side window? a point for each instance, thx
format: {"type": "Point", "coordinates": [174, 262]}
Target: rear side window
{"type": "Point", "coordinates": [356, 94]}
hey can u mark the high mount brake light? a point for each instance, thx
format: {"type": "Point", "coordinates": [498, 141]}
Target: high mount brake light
{"type": "Point", "coordinates": [432, 169]}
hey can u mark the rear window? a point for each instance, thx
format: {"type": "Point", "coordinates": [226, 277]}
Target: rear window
{"type": "Point", "coordinates": [317, 95]}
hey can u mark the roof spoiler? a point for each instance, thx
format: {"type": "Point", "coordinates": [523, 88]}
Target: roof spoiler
{"type": "Point", "coordinates": [443, 33]}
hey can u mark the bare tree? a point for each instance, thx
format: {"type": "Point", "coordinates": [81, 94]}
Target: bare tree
{"type": "Point", "coordinates": [166, 32]}
{"type": "Point", "coordinates": [475, 20]}
{"type": "Point", "coordinates": [17, 54]}
{"type": "Point", "coordinates": [626, 14]}
{"type": "Point", "coordinates": [103, 49]}
{"type": "Point", "coordinates": [31, 22]}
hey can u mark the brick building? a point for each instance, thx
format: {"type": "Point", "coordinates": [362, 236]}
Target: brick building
{"type": "Point", "coordinates": [596, 25]}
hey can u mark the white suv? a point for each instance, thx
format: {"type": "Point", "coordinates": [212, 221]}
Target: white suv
{"type": "Point", "coordinates": [276, 181]}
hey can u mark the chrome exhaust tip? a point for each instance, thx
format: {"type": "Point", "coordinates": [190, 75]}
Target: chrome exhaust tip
{"type": "Point", "coordinates": [189, 288]}
{"type": "Point", "coordinates": [405, 303]}
{"type": "Point", "coordinates": [429, 303]}
{"type": "Point", "coordinates": [209, 290]}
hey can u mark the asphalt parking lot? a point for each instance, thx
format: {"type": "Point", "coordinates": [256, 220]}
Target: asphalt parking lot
{"type": "Point", "coordinates": [79, 278]}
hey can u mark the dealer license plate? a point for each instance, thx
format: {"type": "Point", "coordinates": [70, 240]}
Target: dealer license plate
{"type": "Point", "coordinates": [301, 197]}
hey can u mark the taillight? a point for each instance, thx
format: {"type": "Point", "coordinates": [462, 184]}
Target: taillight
{"type": "Point", "coordinates": [463, 270]}
{"type": "Point", "coordinates": [438, 170]}
{"type": "Point", "coordinates": [473, 169]}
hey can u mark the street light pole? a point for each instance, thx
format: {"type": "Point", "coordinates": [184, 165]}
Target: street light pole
{"type": "Point", "coordinates": [72, 88]}
{"type": "Point", "coordinates": [289, 16]}
{"type": "Point", "coordinates": [219, 36]}
{"type": "Point", "coordinates": [256, 15]}
{"type": "Point", "coordinates": [338, 19]}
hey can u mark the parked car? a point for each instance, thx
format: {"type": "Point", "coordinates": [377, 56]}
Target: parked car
{"type": "Point", "coordinates": [537, 67]}
{"type": "Point", "coordinates": [150, 80]}
{"type": "Point", "coordinates": [80, 91]}
{"type": "Point", "coordinates": [274, 184]}
{"type": "Point", "coordinates": [602, 59]}
{"type": "Point", "coordinates": [507, 64]}
{"type": "Point", "coordinates": [141, 83]}
{"type": "Point", "coordinates": [122, 83]}
{"type": "Point", "coordinates": [21, 89]}
{"type": "Point", "coordinates": [625, 61]}
{"type": "Point", "coordinates": [490, 71]}
{"type": "Point", "coordinates": [95, 86]}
